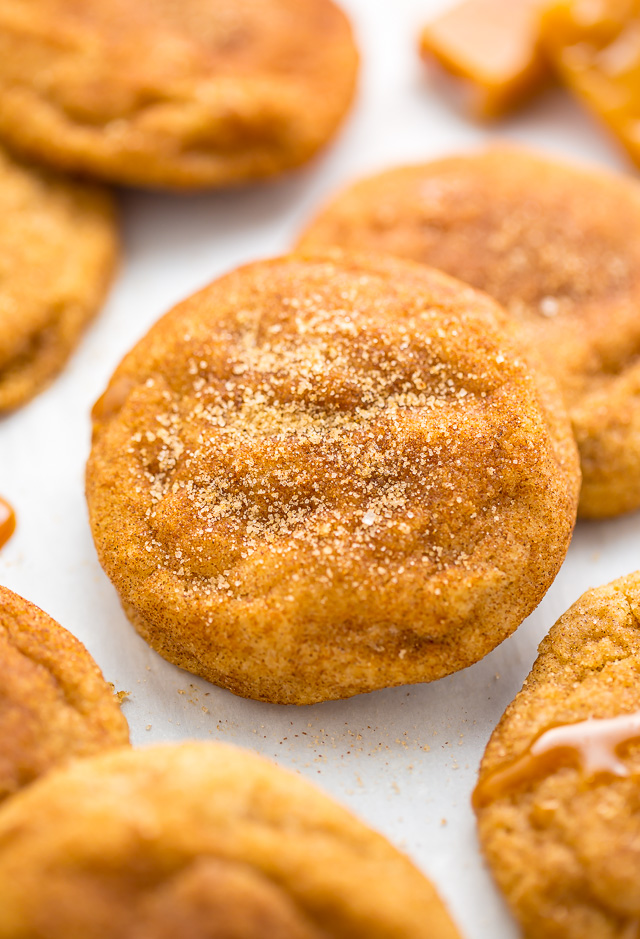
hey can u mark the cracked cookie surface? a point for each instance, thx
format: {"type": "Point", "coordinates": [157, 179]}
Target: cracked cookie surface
{"type": "Point", "coordinates": [564, 844]}
{"type": "Point", "coordinates": [175, 93]}
{"type": "Point", "coordinates": [205, 841]}
{"type": "Point", "coordinates": [58, 249]}
{"type": "Point", "coordinates": [320, 476]}
{"type": "Point", "coordinates": [559, 247]}
{"type": "Point", "coordinates": [54, 702]}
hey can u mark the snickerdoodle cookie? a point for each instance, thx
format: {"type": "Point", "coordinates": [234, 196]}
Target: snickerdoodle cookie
{"type": "Point", "coordinates": [559, 247]}
{"type": "Point", "coordinates": [178, 93]}
{"type": "Point", "coordinates": [202, 841]}
{"type": "Point", "coordinates": [54, 702]}
{"type": "Point", "coordinates": [325, 475]}
{"type": "Point", "coordinates": [558, 800]}
{"type": "Point", "coordinates": [58, 248]}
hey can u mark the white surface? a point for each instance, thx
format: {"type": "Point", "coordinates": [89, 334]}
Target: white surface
{"type": "Point", "coordinates": [404, 759]}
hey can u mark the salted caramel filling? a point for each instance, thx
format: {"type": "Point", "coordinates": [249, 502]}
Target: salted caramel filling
{"type": "Point", "coordinates": [7, 521]}
{"type": "Point", "coordinates": [490, 48]}
{"type": "Point", "coordinates": [592, 745]}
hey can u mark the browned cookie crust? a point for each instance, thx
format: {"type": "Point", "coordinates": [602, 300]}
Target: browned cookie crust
{"type": "Point", "coordinates": [565, 847]}
{"type": "Point", "coordinates": [54, 702]}
{"type": "Point", "coordinates": [321, 476]}
{"type": "Point", "coordinates": [559, 247]}
{"type": "Point", "coordinates": [178, 93]}
{"type": "Point", "coordinates": [58, 247]}
{"type": "Point", "coordinates": [203, 841]}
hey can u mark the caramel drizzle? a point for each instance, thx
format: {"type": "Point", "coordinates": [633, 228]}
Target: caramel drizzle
{"type": "Point", "coordinates": [592, 745]}
{"type": "Point", "coordinates": [7, 521]}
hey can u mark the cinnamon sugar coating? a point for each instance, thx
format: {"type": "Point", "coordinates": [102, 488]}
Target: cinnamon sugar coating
{"type": "Point", "coordinates": [565, 849]}
{"type": "Point", "coordinates": [173, 93]}
{"type": "Point", "coordinates": [559, 247]}
{"type": "Point", "coordinates": [325, 475]}
{"type": "Point", "coordinates": [58, 248]}
{"type": "Point", "coordinates": [204, 841]}
{"type": "Point", "coordinates": [54, 703]}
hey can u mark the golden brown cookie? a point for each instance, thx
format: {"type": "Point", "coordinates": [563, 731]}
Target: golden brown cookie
{"type": "Point", "coordinates": [559, 247]}
{"type": "Point", "coordinates": [204, 841]}
{"type": "Point", "coordinates": [558, 797]}
{"type": "Point", "coordinates": [58, 247]}
{"type": "Point", "coordinates": [321, 476]}
{"type": "Point", "coordinates": [54, 702]}
{"type": "Point", "coordinates": [177, 93]}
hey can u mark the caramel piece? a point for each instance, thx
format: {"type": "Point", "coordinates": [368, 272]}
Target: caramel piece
{"type": "Point", "coordinates": [493, 47]}
{"type": "Point", "coordinates": [7, 521]}
{"type": "Point", "coordinates": [596, 51]}
{"type": "Point", "coordinates": [592, 744]}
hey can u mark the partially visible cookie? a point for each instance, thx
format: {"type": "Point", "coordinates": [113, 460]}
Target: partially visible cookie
{"type": "Point", "coordinates": [558, 799]}
{"type": "Point", "coordinates": [175, 93]}
{"type": "Point", "coordinates": [328, 474]}
{"type": "Point", "coordinates": [58, 248]}
{"type": "Point", "coordinates": [559, 247]}
{"type": "Point", "coordinates": [54, 702]}
{"type": "Point", "coordinates": [203, 841]}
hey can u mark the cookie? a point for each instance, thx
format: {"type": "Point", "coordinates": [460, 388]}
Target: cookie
{"type": "Point", "coordinates": [174, 93]}
{"type": "Point", "coordinates": [201, 840]}
{"type": "Point", "coordinates": [559, 247]}
{"type": "Point", "coordinates": [557, 798]}
{"type": "Point", "coordinates": [55, 704]}
{"type": "Point", "coordinates": [325, 475]}
{"type": "Point", "coordinates": [58, 248]}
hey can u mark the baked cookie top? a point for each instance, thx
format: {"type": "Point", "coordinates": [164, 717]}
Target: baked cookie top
{"type": "Point", "coordinates": [201, 840]}
{"type": "Point", "coordinates": [177, 93]}
{"type": "Point", "coordinates": [58, 247]}
{"type": "Point", "coordinates": [55, 704]}
{"type": "Point", "coordinates": [557, 798]}
{"type": "Point", "coordinates": [324, 475]}
{"type": "Point", "coordinates": [559, 247]}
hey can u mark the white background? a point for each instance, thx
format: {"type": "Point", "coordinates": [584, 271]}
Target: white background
{"type": "Point", "coordinates": [405, 759]}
